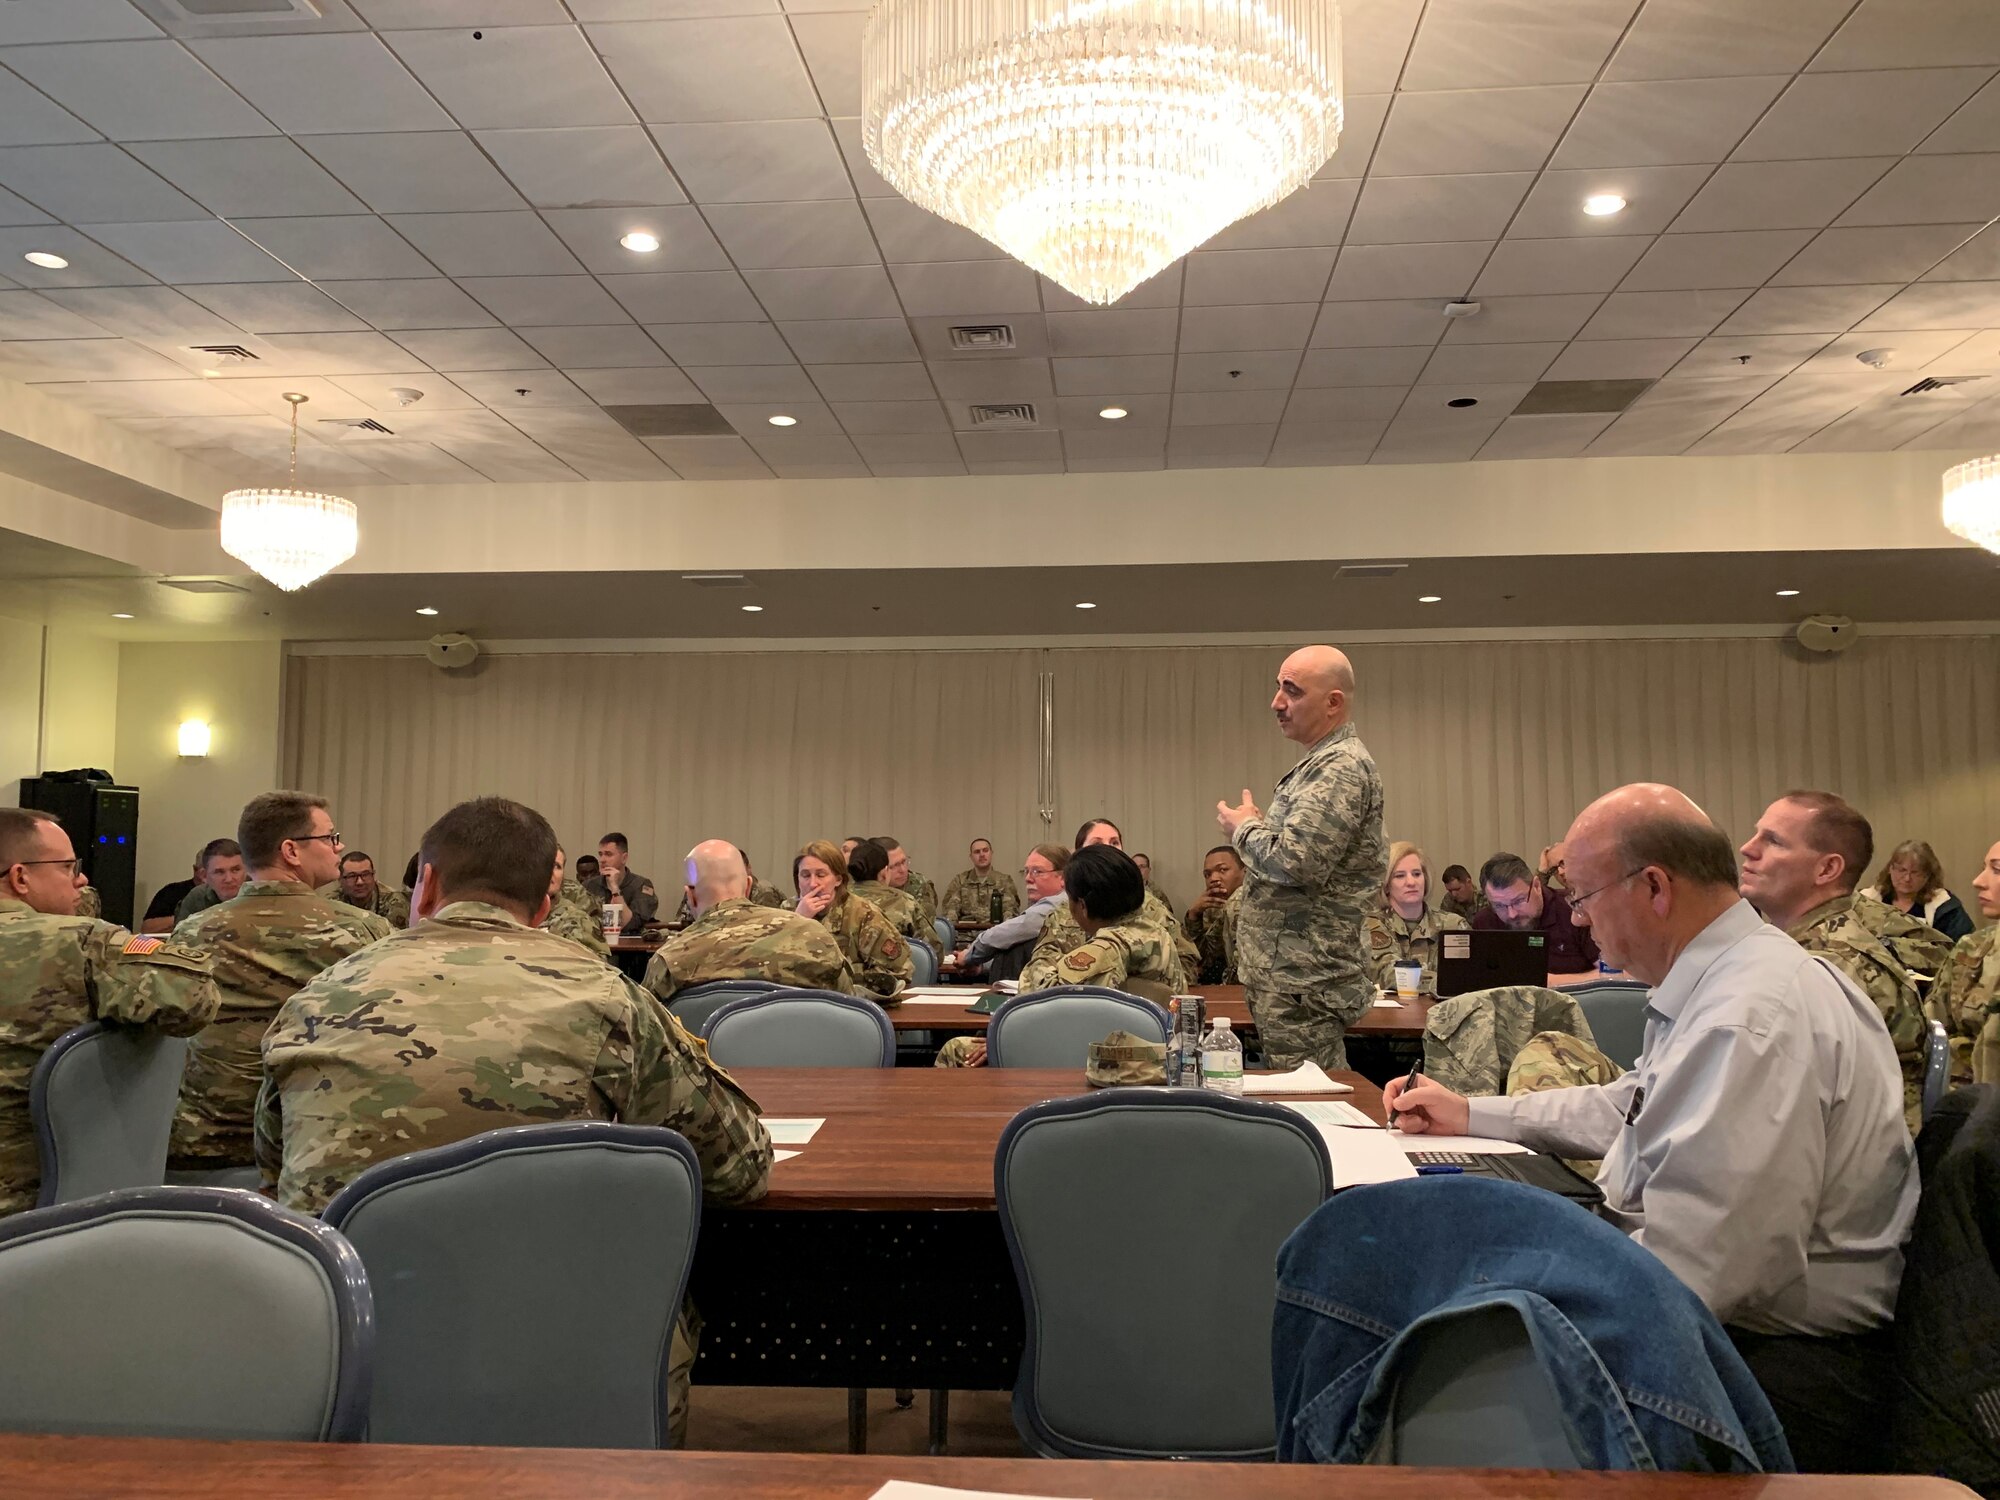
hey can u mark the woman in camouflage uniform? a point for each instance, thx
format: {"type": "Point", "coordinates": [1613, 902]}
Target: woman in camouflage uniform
{"type": "Point", "coordinates": [879, 958]}
{"type": "Point", "coordinates": [1967, 995]}
{"type": "Point", "coordinates": [1404, 929]}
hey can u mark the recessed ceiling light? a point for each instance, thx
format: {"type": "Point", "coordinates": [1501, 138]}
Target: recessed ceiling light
{"type": "Point", "coordinates": [1459, 403]}
{"type": "Point", "coordinates": [1788, 593]}
{"type": "Point", "coordinates": [1597, 205]}
{"type": "Point", "coordinates": [1086, 605]}
{"type": "Point", "coordinates": [1112, 413]}
{"type": "Point", "coordinates": [753, 609]}
{"type": "Point", "coordinates": [783, 421]}
{"type": "Point", "coordinates": [121, 617]}
{"type": "Point", "coordinates": [426, 610]}
{"type": "Point", "coordinates": [1430, 598]}
{"type": "Point", "coordinates": [45, 260]}
{"type": "Point", "coordinates": [640, 241]}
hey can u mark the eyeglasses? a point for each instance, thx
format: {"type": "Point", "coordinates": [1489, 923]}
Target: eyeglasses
{"type": "Point", "coordinates": [1576, 902]}
{"type": "Point", "coordinates": [1036, 870]}
{"type": "Point", "coordinates": [333, 838]}
{"type": "Point", "coordinates": [70, 866]}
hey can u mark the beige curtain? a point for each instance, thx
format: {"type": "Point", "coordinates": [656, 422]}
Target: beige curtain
{"type": "Point", "coordinates": [1483, 745]}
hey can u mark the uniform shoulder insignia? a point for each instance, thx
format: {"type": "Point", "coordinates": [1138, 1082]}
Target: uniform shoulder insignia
{"type": "Point", "coordinates": [1079, 960]}
{"type": "Point", "coordinates": [143, 945]}
{"type": "Point", "coordinates": [891, 948]}
{"type": "Point", "coordinates": [647, 889]}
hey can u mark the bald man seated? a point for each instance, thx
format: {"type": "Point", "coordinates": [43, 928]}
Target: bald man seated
{"type": "Point", "coordinates": [732, 937]}
{"type": "Point", "coordinates": [1757, 1146]}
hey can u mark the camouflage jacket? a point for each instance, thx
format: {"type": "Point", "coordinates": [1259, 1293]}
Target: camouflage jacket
{"type": "Point", "coordinates": [920, 889]}
{"type": "Point", "coordinates": [901, 909]}
{"type": "Point", "coordinates": [273, 937]}
{"type": "Point", "coordinates": [760, 894]}
{"type": "Point", "coordinates": [742, 940]}
{"type": "Point", "coordinates": [576, 893]}
{"type": "Point", "coordinates": [1967, 1000]}
{"type": "Point", "coordinates": [1316, 862]}
{"type": "Point", "coordinates": [90, 904]}
{"type": "Point", "coordinates": [969, 897]}
{"type": "Point", "coordinates": [880, 960]}
{"type": "Point", "coordinates": [468, 1022]}
{"type": "Point", "coordinates": [1465, 911]}
{"type": "Point", "coordinates": [390, 904]}
{"type": "Point", "coordinates": [1470, 1041]}
{"type": "Point", "coordinates": [571, 917]}
{"type": "Point", "coordinates": [57, 973]}
{"type": "Point", "coordinates": [1062, 936]}
{"type": "Point", "coordinates": [1208, 930]}
{"type": "Point", "coordinates": [1393, 940]}
{"type": "Point", "coordinates": [1136, 955]}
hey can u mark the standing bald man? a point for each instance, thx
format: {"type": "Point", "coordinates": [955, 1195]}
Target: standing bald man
{"type": "Point", "coordinates": [1314, 864]}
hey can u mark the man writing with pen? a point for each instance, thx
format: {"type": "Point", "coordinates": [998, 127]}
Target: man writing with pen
{"type": "Point", "coordinates": [1757, 1145]}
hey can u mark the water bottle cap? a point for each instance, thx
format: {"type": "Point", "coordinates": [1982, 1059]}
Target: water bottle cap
{"type": "Point", "coordinates": [1222, 1023]}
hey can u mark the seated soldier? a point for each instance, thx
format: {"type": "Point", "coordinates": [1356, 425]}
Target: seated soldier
{"type": "Point", "coordinates": [879, 959]}
{"type": "Point", "coordinates": [865, 869]}
{"type": "Point", "coordinates": [1404, 930]}
{"type": "Point", "coordinates": [732, 937]}
{"type": "Point", "coordinates": [571, 914]}
{"type": "Point", "coordinates": [1208, 921]}
{"type": "Point", "coordinates": [357, 886]}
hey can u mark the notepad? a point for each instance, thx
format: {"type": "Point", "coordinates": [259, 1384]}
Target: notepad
{"type": "Point", "coordinates": [1358, 1155]}
{"type": "Point", "coordinates": [1306, 1078]}
{"type": "Point", "coordinates": [778, 1156]}
{"type": "Point", "coordinates": [792, 1132]}
{"type": "Point", "coordinates": [1471, 1145]}
{"type": "Point", "coordinates": [1329, 1112]}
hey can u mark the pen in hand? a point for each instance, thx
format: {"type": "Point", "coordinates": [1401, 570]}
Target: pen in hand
{"type": "Point", "coordinates": [1389, 1117]}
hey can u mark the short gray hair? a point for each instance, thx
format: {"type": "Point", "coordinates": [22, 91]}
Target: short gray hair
{"type": "Point", "coordinates": [1697, 852]}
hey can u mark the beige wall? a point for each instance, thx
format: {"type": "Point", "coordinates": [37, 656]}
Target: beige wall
{"type": "Point", "coordinates": [80, 702]}
{"type": "Point", "coordinates": [185, 803]}
{"type": "Point", "coordinates": [1483, 745]}
{"type": "Point", "coordinates": [20, 706]}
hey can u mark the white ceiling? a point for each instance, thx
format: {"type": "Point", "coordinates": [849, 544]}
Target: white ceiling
{"type": "Point", "coordinates": [429, 194]}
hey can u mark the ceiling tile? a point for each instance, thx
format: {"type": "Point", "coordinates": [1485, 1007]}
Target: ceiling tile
{"type": "Point", "coordinates": [1939, 304]}
{"type": "Point", "coordinates": [1898, 34]}
{"type": "Point", "coordinates": [324, 84]}
{"type": "Point", "coordinates": [513, 76]}
{"type": "Point", "coordinates": [995, 380]}
{"type": "Point", "coordinates": [767, 161]}
{"type": "Point", "coordinates": [1473, 130]}
{"type": "Point", "coordinates": [1553, 208]}
{"type": "Point", "coordinates": [1314, 215]}
{"type": "Point", "coordinates": [1738, 354]}
{"type": "Point", "coordinates": [432, 172]}
{"type": "Point", "coordinates": [741, 383]}
{"type": "Point", "coordinates": [710, 457]}
{"type": "Point", "coordinates": [763, 236]}
{"type": "Point", "coordinates": [544, 301]}
{"type": "Point", "coordinates": [693, 344]}
{"type": "Point", "coordinates": [71, 21]}
{"type": "Point", "coordinates": [1052, 465]}
{"type": "Point", "coordinates": [1280, 326]}
{"type": "Point", "coordinates": [1113, 442]}
{"type": "Point", "coordinates": [849, 340]}
{"type": "Point", "coordinates": [596, 236]}
{"type": "Point", "coordinates": [1521, 267]}
{"type": "Point", "coordinates": [421, 15]}
{"type": "Point", "coordinates": [636, 386]}
{"type": "Point", "coordinates": [1664, 123]}
{"type": "Point", "coordinates": [685, 297]}
{"type": "Point", "coordinates": [995, 447]}
{"type": "Point", "coordinates": [1115, 331]}
{"type": "Point", "coordinates": [590, 442]}
{"type": "Point", "coordinates": [29, 117]}
{"type": "Point", "coordinates": [1424, 444]}
{"type": "Point", "coordinates": [1115, 375]}
{"type": "Point", "coordinates": [1246, 371]}
{"type": "Point", "coordinates": [871, 417]}
{"type": "Point", "coordinates": [1406, 210]}
{"type": "Point", "coordinates": [380, 392]}
{"type": "Point", "coordinates": [470, 349]}
{"type": "Point", "coordinates": [1618, 359]}
{"type": "Point", "coordinates": [1228, 277]}
{"type": "Point", "coordinates": [519, 390]}
{"type": "Point", "coordinates": [150, 313]}
{"type": "Point", "coordinates": [810, 419]}
{"type": "Point", "coordinates": [910, 382]}
{"type": "Point", "coordinates": [1250, 441]}
{"type": "Point", "coordinates": [349, 247]}
{"type": "Point", "coordinates": [824, 293]}
{"type": "Point", "coordinates": [1688, 262]}
{"type": "Point", "coordinates": [908, 447]}
{"type": "Point", "coordinates": [977, 288]}
{"type": "Point", "coordinates": [262, 176]}
{"type": "Point", "coordinates": [429, 302]}
{"type": "Point", "coordinates": [1675, 413]}
{"type": "Point", "coordinates": [1142, 410]}
{"type": "Point", "coordinates": [15, 210]}
{"type": "Point", "coordinates": [190, 252]}
{"type": "Point", "coordinates": [93, 185]}
{"type": "Point", "coordinates": [90, 264]}
{"type": "Point", "coordinates": [1859, 114]}
{"type": "Point", "coordinates": [591, 167]}
{"type": "Point", "coordinates": [1384, 323]}
{"type": "Point", "coordinates": [1806, 309]}
{"type": "Point", "coordinates": [1976, 126]}
{"type": "Point", "coordinates": [89, 359]}
{"type": "Point", "coordinates": [1491, 43]}
{"type": "Point", "coordinates": [1544, 436]}
{"type": "Point", "coordinates": [867, 182]}
{"type": "Point", "coordinates": [832, 45]}
{"type": "Point", "coordinates": [464, 245]}
{"type": "Point", "coordinates": [190, 396]}
{"type": "Point", "coordinates": [284, 354]}
{"type": "Point", "coordinates": [598, 347]}
{"type": "Point", "coordinates": [1977, 259]}
{"type": "Point", "coordinates": [1780, 195]}
{"type": "Point", "coordinates": [1524, 320]}
{"type": "Point", "coordinates": [278, 307]}
{"type": "Point", "coordinates": [1208, 408]}
{"type": "Point", "coordinates": [1375, 40]}
{"type": "Point", "coordinates": [138, 90]}
{"type": "Point", "coordinates": [1376, 368]}
{"type": "Point", "coordinates": [908, 233]}
{"type": "Point", "coordinates": [1440, 272]}
{"type": "Point", "coordinates": [1361, 126]}
{"type": "Point", "coordinates": [1723, 38]}
{"type": "Point", "coordinates": [1888, 253]}
{"type": "Point", "coordinates": [29, 315]}
{"type": "Point", "coordinates": [1487, 364]}
{"type": "Point", "coordinates": [1662, 315]}
{"type": "Point", "coordinates": [1917, 190]}
{"type": "Point", "coordinates": [718, 68]}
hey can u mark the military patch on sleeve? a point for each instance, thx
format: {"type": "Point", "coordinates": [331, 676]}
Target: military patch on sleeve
{"type": "Point", "coordinates": [1079, 960]}
{"type": "Point", "coordinates": [892, 949]}
{"type": "Point", "coordinates": [143, 945]}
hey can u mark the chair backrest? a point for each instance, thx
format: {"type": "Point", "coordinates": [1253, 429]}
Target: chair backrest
{"type": "Point", "coordinates": [495, 1261]}
{"type": "Point", "coordinates": [1054, 1028]}
{"type": "Point", "coordinates": [801, 1029]}
{"type": "Point", "coordinates": [947, 937]}
{"type": "Point", "coordinates": [182, 1312]}
{"type": "Point", "coordinates": [923, 963]}
{"type": "Point", "coordinates": [1937, 1067]}
{"type": "Point", "coordinates": [1616, 1010]}
{"type": "Point", "coordinates": [1471, 1394]}
{"type": "Point", "coordinates": [103, 1104]}
{"type": "Point", "coordinates": [694, 1005]}
{"type": "Point", "coordinates": [1093, 1199]}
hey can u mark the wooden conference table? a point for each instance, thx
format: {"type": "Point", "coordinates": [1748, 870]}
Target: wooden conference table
{"type": "Point", "coordinates": [64, 1468]}
{"type": "Point", "coordinates": [1404, 1020]}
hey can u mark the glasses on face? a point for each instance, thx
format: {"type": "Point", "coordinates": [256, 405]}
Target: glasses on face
{"type": "Point", "coordinates": [314, 838]}
{"type": "Point", "coordinates": [1520, 903]}
{"type": "Point", "coordinates": [68, 866]}
{"type": "Point", "coordinates": [1577, 903]}
{"type": "Point", "coordinates": [1036, 870]}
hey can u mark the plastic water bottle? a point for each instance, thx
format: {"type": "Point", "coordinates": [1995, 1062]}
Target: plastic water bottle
{"type": "Point", "coordinates": [1222, 1059]}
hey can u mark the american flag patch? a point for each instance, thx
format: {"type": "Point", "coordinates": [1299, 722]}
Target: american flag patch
{"type": "Point", "coordinates": [142, 944]}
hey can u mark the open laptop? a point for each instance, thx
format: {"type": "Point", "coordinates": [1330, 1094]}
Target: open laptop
{"type": "Point", "coordinates": [1470, 960]}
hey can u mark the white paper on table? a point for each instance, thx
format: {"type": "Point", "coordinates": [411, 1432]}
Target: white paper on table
{"type": "Point", "coordinates": [1306, 1078]}
{"type": "Point", "coordinates": [904, 1489]}
{"type": "Point", "coordinates": [941, 992]}
{"type": "Point", "coordinates": [1358, 1156]}
{"type": "Point", "coordinates": [777, 1156]}
{"type": "Point", "coordinates": [1331, 1112]}
{"type": "Point", "coordinates": [1471, 1145]}
{"type": "Point", "coordinates": [1388, 1005]}
{"type": "Point", "coordinates": [1006, 986]}
{"type": "Point", "coordinates": [792, 1132]}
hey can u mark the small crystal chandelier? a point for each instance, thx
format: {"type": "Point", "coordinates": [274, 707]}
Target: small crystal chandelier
{"type": "Point", "coordinates": [1098, 141]}
{"type": "Point", "coordinates": [289, 536]}
{"type": "Point", "coordinates": [1972, 501]}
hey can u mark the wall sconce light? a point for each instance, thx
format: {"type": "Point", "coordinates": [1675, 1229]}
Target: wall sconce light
{"type": "Point", "coordinates": [194, 738]}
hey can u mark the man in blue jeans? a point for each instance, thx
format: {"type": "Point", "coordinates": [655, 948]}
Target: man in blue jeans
{"type": "Point", "coordinates": [1757, 1146]}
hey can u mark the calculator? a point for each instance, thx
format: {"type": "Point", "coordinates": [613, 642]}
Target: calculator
{"type": "Point", "coordinates": [1444, 1158]}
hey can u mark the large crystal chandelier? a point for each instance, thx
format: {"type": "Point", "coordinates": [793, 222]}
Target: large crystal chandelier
{"type": "Point", "coordinates": [289, 536]}
{"type": "Point", "coordinates": [1972, 501]}
{"type": "Point", "coordinates": [1100, 140]}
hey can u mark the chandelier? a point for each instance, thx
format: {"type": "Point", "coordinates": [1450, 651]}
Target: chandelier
{"type": "Point", "coordinates": [1972, 501]}
{"type": "Point", "coordinates": [1098, 141]}
{"type": "Point", "coordinates": [289, 536]}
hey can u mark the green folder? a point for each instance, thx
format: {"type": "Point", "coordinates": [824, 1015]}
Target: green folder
{"type": "Point", "coordinates": [987, 1003]}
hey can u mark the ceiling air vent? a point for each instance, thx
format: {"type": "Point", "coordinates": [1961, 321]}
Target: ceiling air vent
{"type": "Point", "coordinates": [717, 580]}
{"type": "Point", "coordinates": [1369, 570]}
{"type": "Point", "coordinates": [1567, 397]}
{"type": "Point", "coordinates": [982, 336]}
{"type": "Point", "coordinates": [676, 419]}
{"type": "Point", "coordinates": [358, 424]}
{"type": "Point", "coordinates": [230, 10]}
{"type": "Point", "coordinates": [1931, 384]}
{"type": "Point", "coordinates": [202, 586]}
{"type": "Point", "coordinates": [225, 354]}
{"type": "Point", "coordinates": [1013, 414]}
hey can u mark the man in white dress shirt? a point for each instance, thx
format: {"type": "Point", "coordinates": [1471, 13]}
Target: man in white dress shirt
{"type": "Point", "coordinates": [1757, 1146]}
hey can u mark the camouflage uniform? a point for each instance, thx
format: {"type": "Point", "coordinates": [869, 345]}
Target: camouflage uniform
{"type": "Point", "coordinates": [920, 890]}
{"type": "Point", "coordinates": [969, 897]}
{"type": "Point", "coordinates": [1392, 940]}
{"type": "Point", "coordinates": [901, 910]}
{"type": "Point", "coordinates": [200, 899]}
{"type": "Point", "coordinates": [1316, 863]}
{"type": "Point", "coordinates": [90, 904]}
{"type": "Point", "coordinates": [1060, 933]}
{"type": "Point", "coordinates": [573, 917]}
{"type": "Point", "coordinates": [742, 940]}
{"type": "Point", "coordinates": [390, 904]}
{"type": "Point", "coordinates": [1878, 947]}
{"type": "Point", "coordinates": [1471, 1042]}
{"type": "Point", "coordinates": [57, 973]}
{"type": "Point", "coordinates": [880, 960]}
{"type": "Point", "coordinates": [763, 893]}
{"type": "Point", "coordinates": [1136, 955]}
{"type": "Point", "coordinates": [1557, 1060]}
{"type": "Point", "coordinates": [273, 937]}
{"type": "Point", "coordinates": [1209, 931]}
{"type": "Point", "coordinates": [469, 1022]}
{"type": "Point", "coordinates": [1967, 1000]}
